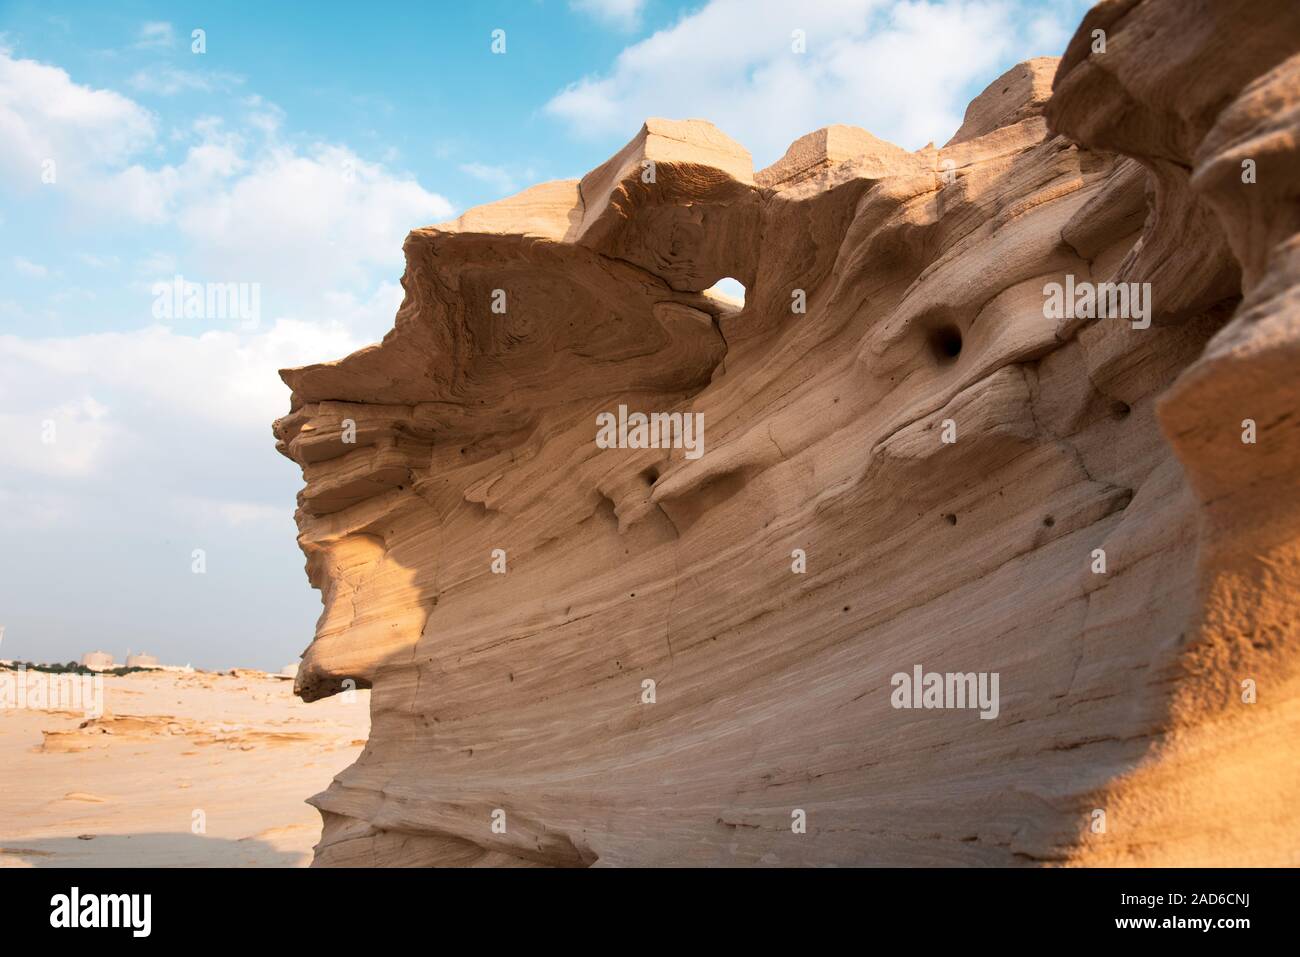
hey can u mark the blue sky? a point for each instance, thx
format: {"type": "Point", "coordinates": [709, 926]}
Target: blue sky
{"type": "Point", "coordinates": [293, 154]}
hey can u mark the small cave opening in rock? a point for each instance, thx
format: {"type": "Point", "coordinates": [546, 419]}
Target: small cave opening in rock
{"type": "Point", "coordinates": [731, 291]}
{"type": "Point", "coordinates": [945, 343]}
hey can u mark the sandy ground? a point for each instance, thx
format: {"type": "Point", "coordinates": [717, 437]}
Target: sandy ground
{"type": "Point", "coordinates": [180, 770]}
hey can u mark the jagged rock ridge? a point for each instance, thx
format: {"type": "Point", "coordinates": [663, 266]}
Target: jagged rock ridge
{"type": "Point", "coordinates": [924, 276]}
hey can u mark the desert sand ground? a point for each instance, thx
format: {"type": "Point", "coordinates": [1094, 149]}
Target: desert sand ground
{"type": "Point", "coordinates": [182, 769]}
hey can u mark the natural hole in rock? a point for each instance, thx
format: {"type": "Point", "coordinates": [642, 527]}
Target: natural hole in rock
{"type": "Point", "coordinates": [945, 343]}
{"type": "Point", "coordinates": [730, 290]}
{"type": "Point", "coordinates": [1049, 521]}
{"type": "Point", "coordinates": [950, 518]}
{"type": "Point", "coordinates": [1120, 410]}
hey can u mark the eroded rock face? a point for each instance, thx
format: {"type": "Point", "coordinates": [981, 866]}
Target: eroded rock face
{"type": "Point", "coordinates": [1098, 535]}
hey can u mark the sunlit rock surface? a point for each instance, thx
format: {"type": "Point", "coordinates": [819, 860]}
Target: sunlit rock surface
{"type": "Point", "coordinates": [1098, 535]}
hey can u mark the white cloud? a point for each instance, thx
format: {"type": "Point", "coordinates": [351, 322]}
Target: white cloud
{"type": "Point", "coordinates": [498, 177]}
{"type": "Point", "coordinates": [622, 14]}
{"type": "Point", "coordinates": [245, 513]}
{"type": "Point", "coordinates": [29, 268]}
{"type": "Point", "coordinates": [67, 294]}
{"type": "Point", "coordinates": [263, 116]}
{"type": "Point", "coordinates": [250, 206]}
{"type": "Point", "coordinates": [99, 262]}
{"type": "Point", "coordinates": [59, 439]}
{"type": "Point", "coordinates": [237, 513]}
{"type": "Point", "coordinates": [898, 68]}
{"type": "Point", "coordinates": [35, 508]}
{"type": "Point", "coordinates": [156, 34]}
{"type": "Point", "coordinates": [153, 194]}
{"type": "Point", "coordinates": [44, 116]}
{"type": "Point", "coordinates": [222, 378]}
{"type": "Point", "coordinates": [167, 80]}
{"type": "Point", "coordinates": [325, 206]}
{"type": "Point", "coordinates": [157, 264]}
{"type": "Point", "coordinates": [161, 443]}
{"type": "Point", "coordinates": [1050, 33]}
{"type": "Point", "coordinates": [369, 317]}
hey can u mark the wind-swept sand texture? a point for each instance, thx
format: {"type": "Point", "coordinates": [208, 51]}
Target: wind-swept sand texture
{"type": "Point", "coordinates": [121, 790]}
{"type": "Point", "coordinates": [1148, 712]}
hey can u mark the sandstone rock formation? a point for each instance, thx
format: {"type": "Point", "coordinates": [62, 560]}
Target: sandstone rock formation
{"type": "Point", "coordinates": [977, 485]}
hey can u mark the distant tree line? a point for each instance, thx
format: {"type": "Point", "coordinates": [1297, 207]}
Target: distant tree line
{"type": "Point", "coordinates": [70, 668]}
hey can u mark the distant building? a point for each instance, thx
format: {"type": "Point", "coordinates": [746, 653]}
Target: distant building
{"type": "Point", "coordinates": [141, 661]}
{"type": "Point", "coordinates": [97, 660]}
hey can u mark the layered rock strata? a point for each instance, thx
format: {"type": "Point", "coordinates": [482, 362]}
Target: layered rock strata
{"type": "Point", "coordinates": [911, 459]}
